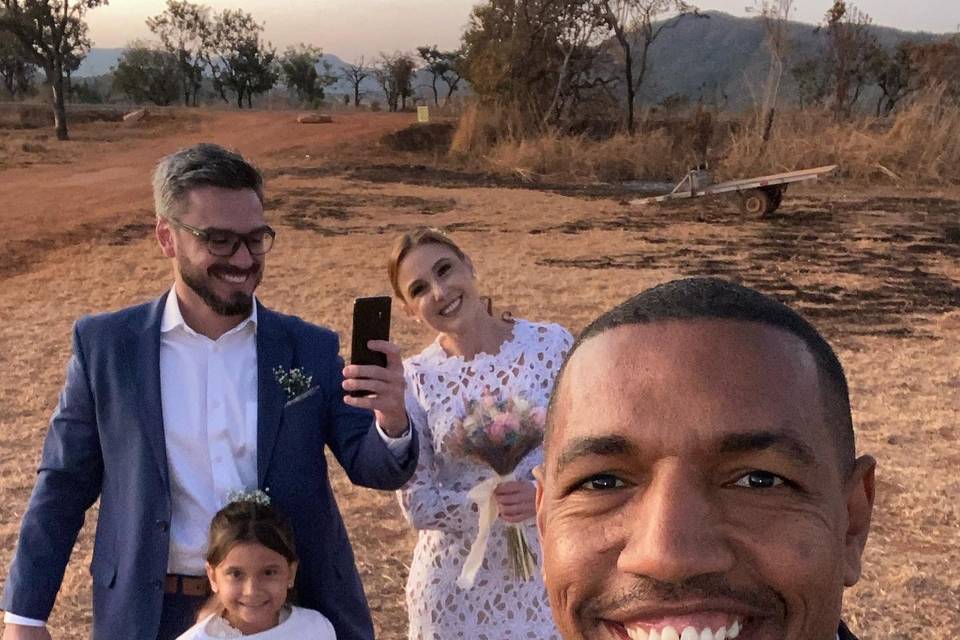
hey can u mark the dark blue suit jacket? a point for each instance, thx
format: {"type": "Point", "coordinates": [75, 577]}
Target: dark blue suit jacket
{"type": "Point", "coordinates": [106, 440]}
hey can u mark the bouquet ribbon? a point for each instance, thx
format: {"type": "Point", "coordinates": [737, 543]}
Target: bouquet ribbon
{"type": "Point", "coordinates": [482, 496]}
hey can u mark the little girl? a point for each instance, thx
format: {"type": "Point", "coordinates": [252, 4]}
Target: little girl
{"type": "Point", "coordinates": [251, 565]}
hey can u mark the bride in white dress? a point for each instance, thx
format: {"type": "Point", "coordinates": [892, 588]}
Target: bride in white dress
{"type": "Point", "coordinates": [474, 352]}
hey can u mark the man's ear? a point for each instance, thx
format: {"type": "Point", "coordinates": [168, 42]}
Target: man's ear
{"type": "Point", "coordinates": [211, 577]}
{"type": "Point", "coordinates": [860, 490]}
{"type": "Point", "coordinates": [538, 481]}
{"type": "Point", "coordinates": [165, 238]}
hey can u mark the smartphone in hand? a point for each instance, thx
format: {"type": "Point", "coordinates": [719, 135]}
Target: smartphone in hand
{"type": "Point", "coordinates": [371, 321]}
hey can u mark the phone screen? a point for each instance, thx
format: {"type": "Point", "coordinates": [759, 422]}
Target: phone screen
{"type": "Point", "coordinates": [371, 321]}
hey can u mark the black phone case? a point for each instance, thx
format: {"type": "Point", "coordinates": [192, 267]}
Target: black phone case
{"type": "Point", "coordinates": [371, 321]}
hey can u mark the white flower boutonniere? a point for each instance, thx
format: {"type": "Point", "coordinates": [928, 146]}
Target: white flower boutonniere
{"type": "Point", "coordinates": [293, 381]}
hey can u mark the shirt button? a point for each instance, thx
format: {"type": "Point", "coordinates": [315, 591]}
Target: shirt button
{"type": "Point", "coordinates": [158, 584]}
{"type": "Point", "coordinates": [218, 459]}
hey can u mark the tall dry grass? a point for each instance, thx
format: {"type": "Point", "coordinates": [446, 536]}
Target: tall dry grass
{"type": "Point", "coordinates": [920, 145]}
{"type": "Point", "coordinates": [617, 159]}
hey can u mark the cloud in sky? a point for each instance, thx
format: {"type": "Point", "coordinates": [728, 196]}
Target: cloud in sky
{"type": "Point", "coordinates": [351, 28]}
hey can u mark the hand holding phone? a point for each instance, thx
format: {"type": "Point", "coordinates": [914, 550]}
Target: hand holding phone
{"type": "Point", "coordinates": [374, 378]}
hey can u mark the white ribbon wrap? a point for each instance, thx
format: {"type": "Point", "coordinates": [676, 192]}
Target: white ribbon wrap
{"type": "Point", "coordinates": [482, 496]}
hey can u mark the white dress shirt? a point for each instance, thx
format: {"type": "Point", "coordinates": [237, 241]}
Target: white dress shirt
{"type": "Point", "coordinates": [208, 392]}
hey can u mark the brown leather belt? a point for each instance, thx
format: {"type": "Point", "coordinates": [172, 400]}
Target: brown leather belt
{"type": "Point", "coordinates": [187, 585]}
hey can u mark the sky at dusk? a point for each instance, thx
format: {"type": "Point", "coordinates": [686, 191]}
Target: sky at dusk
{"type": "Point", "coordinates": [351, 28]}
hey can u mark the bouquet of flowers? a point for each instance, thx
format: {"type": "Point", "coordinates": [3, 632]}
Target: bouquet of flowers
{"type": "Point", "coordinates": [499, 433]}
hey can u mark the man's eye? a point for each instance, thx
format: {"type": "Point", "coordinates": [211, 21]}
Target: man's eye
{"type": "Point", "coordinates": [416, 291]}
{"type": "Point", "coordinates": [443, 269]}
{"type": "Point", "coordinates": [759, 480]}
{"type": "Point", "coordinates": [602, 482]}
{"type": "Point", "coordinates": [221, 239]}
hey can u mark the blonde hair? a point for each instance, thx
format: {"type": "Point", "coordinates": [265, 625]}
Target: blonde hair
{"type": "Point", "coordinates": [411, 240]}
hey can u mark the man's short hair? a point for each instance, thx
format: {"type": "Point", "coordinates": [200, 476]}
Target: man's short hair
{"type": "Point", "coordinates": [202, 165]}
{"type": "Point", "coordinates": [714, 298]}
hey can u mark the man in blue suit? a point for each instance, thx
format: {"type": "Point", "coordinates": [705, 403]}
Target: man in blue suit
{"type": "Point", "coordinates": [171, 404]}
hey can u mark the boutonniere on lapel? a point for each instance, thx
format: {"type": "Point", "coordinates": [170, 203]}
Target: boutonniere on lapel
{"type": "Point", "coordinates": [295, 382]}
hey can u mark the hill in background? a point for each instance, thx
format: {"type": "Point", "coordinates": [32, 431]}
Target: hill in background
{"type": "Point", "coordinates": [723, 59]}
{"type": "Point", "coordinates": [720, 59]}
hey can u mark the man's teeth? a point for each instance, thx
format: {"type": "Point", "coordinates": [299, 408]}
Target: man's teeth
{"type": "Point", "coordinates": [229, 277]}
{"type": "Point", "coordinates": [687, 633]}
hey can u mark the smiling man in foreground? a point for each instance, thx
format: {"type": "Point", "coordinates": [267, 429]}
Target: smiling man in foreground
{"type": "Point", "coordinates": [700, 479]}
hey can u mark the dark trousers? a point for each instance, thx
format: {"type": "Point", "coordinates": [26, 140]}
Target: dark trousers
{"type": "Point", "coordinates": [179, 614]}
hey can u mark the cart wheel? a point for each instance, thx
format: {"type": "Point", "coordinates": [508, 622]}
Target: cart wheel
{"type": "Point", "coordinates": [755, 202]}
{"type": "Point", "coordinates": [776, 198]}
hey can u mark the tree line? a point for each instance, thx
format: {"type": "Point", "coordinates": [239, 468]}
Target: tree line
{"type": "Point", "coordinates": [550, 63]}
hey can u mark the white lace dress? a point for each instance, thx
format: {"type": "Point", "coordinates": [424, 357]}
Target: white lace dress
{"type": "Point", "coordinates": [435, 500]}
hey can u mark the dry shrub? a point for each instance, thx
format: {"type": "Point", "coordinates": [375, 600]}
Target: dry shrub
{"type": "Point", "coordinates": [920, 146]}
{"type": "Point", "coordinates": [646, 156]}
{"type": "Point", "coordinates": [477, 130]}
{"type": "Point", "coordinates": [425, 136]}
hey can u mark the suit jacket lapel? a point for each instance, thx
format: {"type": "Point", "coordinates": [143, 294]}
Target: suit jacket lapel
{"type": "Point", "coordinates": [273, 350]}
{"type": "Point", "coordinates": [144, 367]}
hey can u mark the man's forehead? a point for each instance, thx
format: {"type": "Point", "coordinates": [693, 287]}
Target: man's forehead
{"type": "Point", "coordinates": [695, 377]}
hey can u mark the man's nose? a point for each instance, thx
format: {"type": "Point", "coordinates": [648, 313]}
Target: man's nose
{"type": "Point", "coordinates": [674, 531]}
{"type": "Point", "coordinates": [242, 257]}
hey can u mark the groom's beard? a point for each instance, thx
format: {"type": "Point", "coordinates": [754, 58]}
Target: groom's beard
{"type": "Point", "coordinates": [239, 303]}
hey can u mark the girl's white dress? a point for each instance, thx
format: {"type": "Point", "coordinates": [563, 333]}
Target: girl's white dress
{"type": "Point", "coordinates": [435, 500]}
{"type": "Point", "coordinates": [295, 623]}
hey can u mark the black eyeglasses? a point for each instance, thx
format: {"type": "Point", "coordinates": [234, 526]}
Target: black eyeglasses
{"type": "Point", "coordinates": [223, 243]}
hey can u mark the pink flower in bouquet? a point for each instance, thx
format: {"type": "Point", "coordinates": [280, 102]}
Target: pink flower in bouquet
{"type": "Point", "coordinates": [503, 424]}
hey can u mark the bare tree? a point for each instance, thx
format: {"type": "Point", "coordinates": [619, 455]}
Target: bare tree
{"type": "Point", "coordinates": [850, 45]}
{"type": "Point", "coordinates": [185, 29]}
{"type": "Point", "coordinates": [578, 25]}
{"type": "Point", "coordinates": [355, 74]}
{"type": "Point", "coordinates": [53, 35]}
{"type": "Point", "coordinates": [775, 16]}
{"type": "Point", "coordinates": [648, 19]}
{"type": "Point", "coordinates": [395, 75]}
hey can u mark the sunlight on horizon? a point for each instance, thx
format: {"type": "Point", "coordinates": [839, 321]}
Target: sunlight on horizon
{"type": "Point", "coordinates": [351, 28]}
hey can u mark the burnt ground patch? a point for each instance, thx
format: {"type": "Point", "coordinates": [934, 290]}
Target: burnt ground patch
{"type": "Point", "coordinates": [424, 175]}
{"type": "Point", "coordinates": [320, 210]}
{"type": "Point", "coordinates": [873, 262]}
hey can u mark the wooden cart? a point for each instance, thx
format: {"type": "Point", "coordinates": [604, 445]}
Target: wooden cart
{"type": "Point", "coordinates": [758, 196]}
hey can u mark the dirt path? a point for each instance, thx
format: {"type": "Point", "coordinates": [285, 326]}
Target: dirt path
{"type": "Point", "coordinates": [107, 180]}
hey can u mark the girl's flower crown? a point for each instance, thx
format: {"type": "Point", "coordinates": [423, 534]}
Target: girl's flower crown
{"type": "Point", "coordinates": [255, 496]}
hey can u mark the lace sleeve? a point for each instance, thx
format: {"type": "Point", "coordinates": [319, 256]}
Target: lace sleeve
{"type": "Point", "coordinates": [424, 503]}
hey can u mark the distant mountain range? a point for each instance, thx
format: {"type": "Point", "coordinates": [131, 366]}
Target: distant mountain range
{"type": "Point", "coordinates": [722, 58]}
{"type": "Point", "coordinates": [718, 58]}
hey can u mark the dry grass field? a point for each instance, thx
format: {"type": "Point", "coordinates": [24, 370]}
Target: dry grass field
{"type": "Point", "coordinates": [877, 269]}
